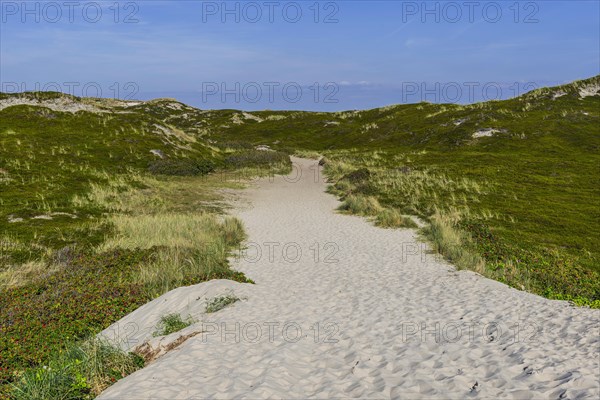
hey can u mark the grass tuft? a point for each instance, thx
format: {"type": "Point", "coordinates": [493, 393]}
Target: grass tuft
{"type": "Point", "coordinates": [390, 218]}
{"type": "Point", "coordinates": [361, 205]}
{"type": "Point", "coordinates": [452, 243]}
{"type": "Point", "coordinates": [16, 276]}
{"type": "Point", "coordinates": [172, 323]}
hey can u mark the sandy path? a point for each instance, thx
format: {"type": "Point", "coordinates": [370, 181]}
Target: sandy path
{"type": "Point", "coordinates": [393, 321]}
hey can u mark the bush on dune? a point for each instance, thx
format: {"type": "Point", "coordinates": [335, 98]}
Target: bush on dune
{"type": "Point", "coordinates": [181, 167]}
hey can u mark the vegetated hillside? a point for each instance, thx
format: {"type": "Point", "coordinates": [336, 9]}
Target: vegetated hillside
{"type": "Point", "coordinates": [515, 182]}
{"type": "Point", "coordinates": [426, 126]}
{"type": "Point", "coordinates": [105, 205]}
{"type": "Point", "coordinates": [534, 157]}
{"type": "Point", "coordinates": [48, 156]}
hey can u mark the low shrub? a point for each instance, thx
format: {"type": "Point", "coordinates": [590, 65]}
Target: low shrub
{"type": "Point", "coordinates": [234, 145]}
{"type": "Point", "coordinates": [358, 176]}
{"type": "Point", "coordinates": [91, 292]}
{"type": "Point", "coordinates": [544, 271]}
{"type": "Point", "coordinates": [79, 299]}
{"type": "Point", "coordinates": [181, 167]}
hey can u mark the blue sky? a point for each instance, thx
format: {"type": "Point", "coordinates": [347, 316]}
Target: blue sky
{"type": "Point", "coordinates": [334, 56]}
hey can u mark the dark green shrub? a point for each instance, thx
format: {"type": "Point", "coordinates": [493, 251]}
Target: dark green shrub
{"type": "Point", "coordinates": [358, 175]}
{"type": "Point", "coordinates": [181, 167]}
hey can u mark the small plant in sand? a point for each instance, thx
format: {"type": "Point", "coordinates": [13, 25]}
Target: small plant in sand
{"type": "Point", "coordinates": [219, 303]}
{"type": "Point", "coordinates": [171, 323]}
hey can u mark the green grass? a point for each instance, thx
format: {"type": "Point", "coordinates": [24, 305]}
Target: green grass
{"type": "Point", "coordinates": [172, 323]}
{"type": "Point", "coordinates": [455, 244]}
{"type": "Point", "coordinates": [369, 206]}
{"type": "Point", "coordinates": [361, 205]}
{"type": "Point", "coordinates": [390, 218]}
{"type": "Point", "coordinates": [80, 371]}
{"type": "Point", "coordinates": [181, 167]}
{"type": "Point", "coordinates": [86, 295]}
{"type": "Point", "coordinates": [50, 157]}
{"type": "Point", "coordinates": [256, 158]}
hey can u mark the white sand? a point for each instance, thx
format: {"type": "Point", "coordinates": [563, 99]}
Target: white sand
{"type": "Point", "coordinates": [485, 132]}
{"type": "Point", "coordinates": [384, 309]}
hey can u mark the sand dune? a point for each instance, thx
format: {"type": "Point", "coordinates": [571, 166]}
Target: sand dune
{"type": "Point", "coordinates": [343, 309]}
